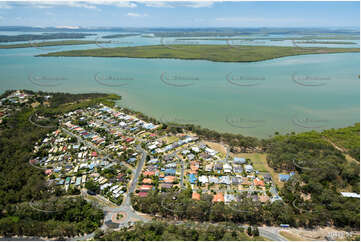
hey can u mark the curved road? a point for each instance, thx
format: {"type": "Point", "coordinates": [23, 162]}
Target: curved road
{"type": "Point", "coordinates": [270, 233]}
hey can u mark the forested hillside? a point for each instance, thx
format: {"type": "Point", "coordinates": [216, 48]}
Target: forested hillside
{"type": "Point", "coordinates": [160, 231]}
{"type": "Point", "coordinates": [322, 172]}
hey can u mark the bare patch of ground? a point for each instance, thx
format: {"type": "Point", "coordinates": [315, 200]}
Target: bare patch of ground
{"type": "Point", "coordinates": [217, 146]}
{"type": "Point", "coordinates": [316, 234]}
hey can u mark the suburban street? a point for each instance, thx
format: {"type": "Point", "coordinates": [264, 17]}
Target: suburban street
{"type": "Point", "coordinates": [271, 233]}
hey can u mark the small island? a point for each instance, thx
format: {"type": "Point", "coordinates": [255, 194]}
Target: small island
{"type": "Point", "coordinates": [44, 36]}
{"type": "Point", "coordinates": [217, 53]}
{"type": "Point", "coordinates": [51, 43]}
{"type": "Point", "coordinates": [326, 42]}
{"type": "Point", "coordinates": [114, 36]}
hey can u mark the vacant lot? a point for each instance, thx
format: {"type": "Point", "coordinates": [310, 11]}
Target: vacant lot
{"type": "Point", "coordinates": [259, 161]}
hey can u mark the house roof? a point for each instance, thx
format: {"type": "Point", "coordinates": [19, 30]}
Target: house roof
{"type": "Point", "coordinates": [350, 194]}
{"type": "Point", "coordinates": [147, 181]}
{"type": "Point", "coordinates": [258, 182]}
{"type": "Point", "coordinates": [142, 194]}
{"type": "Point", "coordinates": [218, 197]}
{"type": "Point", "coordinates": [149, 173]}
{"type": "Point", "coordinates": [166, 185]}
{"type": "Point", "coordinates": [169, 179]}
{"type": "Point", "coordinates": [196, 196]}
{"type": "Point", "coordinates": [192, 178]}
{"type": "Point", "coordinates": [239, 159]}
{"type": "Point", "coordinates": [48, 171]}
{"type": "Point", "coordinates": [146, 187]}
{"type": "Point", "coordinates": [263, 198]}
{"type": "Point", "coordinates": [170, 171]}
{"type": "Point", "coordinates": [284, 177]}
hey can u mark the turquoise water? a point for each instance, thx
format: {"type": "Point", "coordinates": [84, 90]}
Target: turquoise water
{"type": "Point", "coordinates": [298, 93]}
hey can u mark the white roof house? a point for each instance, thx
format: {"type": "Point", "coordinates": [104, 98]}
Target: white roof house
{"type": "Point", "coordinates": [211, 152]}
{"type": "Point", "coordinates": [229, 198]}
{"type": "Point", "coordinates": [248, 168]}
{"type": "Point", "coordinates": [227, 168]}
{"type": "Point", "coordinates": [209, 167]}
{"type": "Point", "coordinates": [203, 179]}
{"type": "Point", "coordinates": [350, 194]}
{"type": "Point", "coordinates": [195, 149]}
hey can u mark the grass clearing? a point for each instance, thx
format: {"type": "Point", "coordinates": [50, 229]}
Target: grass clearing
{"type": "Point", "coordinates": [217, 146]}
{"type": "Point", "coordinates": [171, 139]}
{"type": "Point", "coordinates": [259, 161]}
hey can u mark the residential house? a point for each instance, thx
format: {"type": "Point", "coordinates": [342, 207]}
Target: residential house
{"type": "Point", "coordinates": [218, 166]}
{"type": "Point", "coordinates": [267, 177]}
{"type": "Point", "coordinates": [225, 180]}
{"type": "Point", "coordinates": [213, 179]}
{"type": "Point", "coordinates": [203, 179]}
{"type": "Point", "coordinates": [190, 157]}
{"type": "Point", "coordinates": [239, 160]}
{"type": "Point", "coordinates": [148, 173]}
{"type": "Point", "coordinates": [195, 149]}
{"type": "Point", "coordinates": [166, 185]}
{"type": "Point", "coordinates": [169, 179]}
{"type": "Point", "coordinates": [237, 169]}
{"type": "Point", "coordinates": [284, 177]}
{"type": "Point", "coordinates": [218, 197]}
{"type": "Point", "coordinates": [263, 198]}
{"type": "Point", "coordinates": [229, 198]}
{"type": "Point", "coordinates": [208, 167]}
{"type": "Point", "coordinates": [192, 178]}
{"type": "Point", "coordinates": [210, 151]}
{"type": "Point", "coordinates": [196, 196]}
{"type": "Point", "coordinates": [147, 181]}
{"type": "Point", "coordinates": [258, 182]}
{"type": "Point", "coordinates": [145, 187]}
{"type": "Point", "coordinates": [235, 180]}
{"type": "Point", "coordinates": [170, 172]}
{"type": "Point", "coordinates": [227, 168]}
{"type": "Point", "coordinates": [194, 166]}
{"type": "Point", "coordinates": [248, 168]}
{"type": "Point", "coordinates": [142, 194]}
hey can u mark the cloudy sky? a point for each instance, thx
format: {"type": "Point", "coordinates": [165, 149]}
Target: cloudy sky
{"type": "Point", "coordinates": [179, 14]}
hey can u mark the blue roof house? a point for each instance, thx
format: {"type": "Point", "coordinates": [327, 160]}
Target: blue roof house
{"type": "Point", "coordinates": [170, 171]}
{"type": "Point", "coordinates": [284, 177]}
{"type": "Point", "coordinates": [239, 160]}
{"type": "Point", "coordinates": [192, 178]}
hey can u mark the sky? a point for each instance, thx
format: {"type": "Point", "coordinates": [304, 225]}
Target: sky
{"type": "Point", "coordinates": [179, 14]}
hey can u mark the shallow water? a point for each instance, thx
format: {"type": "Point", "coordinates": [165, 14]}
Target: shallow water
{"type": "Point", "coordinates": [297, 93]}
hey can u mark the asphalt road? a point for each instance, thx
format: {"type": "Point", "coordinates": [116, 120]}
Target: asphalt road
{"type": "Point", "coordinates": [270, 233]}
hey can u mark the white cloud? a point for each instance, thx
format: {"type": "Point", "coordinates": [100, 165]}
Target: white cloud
{"type": "Point", "coordinates": [124, 4]}
{"type": "Point", "coordinates": [136, 15]}
{"type": "Point", "coordinates": [4, 5]}
{"type": "Point", "coordinates": [80, 4]}
{"type": "Point", "coordinates": [52, 4]}
{"type": "Point", "coordinates": [190, 4]}
{"type": "Point", "coordinates": [198, 4]}
{"type": "Point", "coordinates": [158, 4]}
{"type": "Point", "coordinates": [93, 4]}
